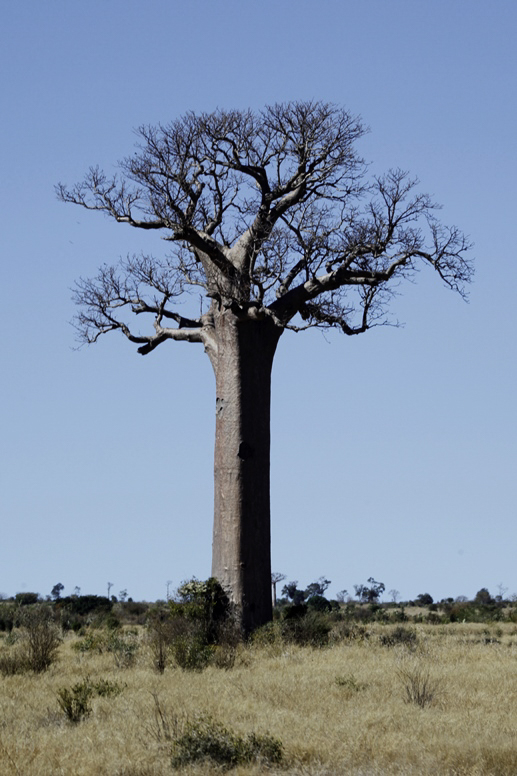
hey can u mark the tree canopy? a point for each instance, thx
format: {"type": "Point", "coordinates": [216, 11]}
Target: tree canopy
{"type": "Point", "coordinates": [269, 214]}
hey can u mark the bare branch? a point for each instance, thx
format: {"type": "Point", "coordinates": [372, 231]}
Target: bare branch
{"type": "Point", "coordinates": [270, 214]}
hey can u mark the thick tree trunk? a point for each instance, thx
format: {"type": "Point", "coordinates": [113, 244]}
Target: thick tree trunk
{"type": "Point", "coordinates": [241, 559]}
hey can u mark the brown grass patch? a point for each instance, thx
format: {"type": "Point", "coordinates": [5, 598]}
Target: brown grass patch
{"type": "Point", "coordinates": [340, 710]}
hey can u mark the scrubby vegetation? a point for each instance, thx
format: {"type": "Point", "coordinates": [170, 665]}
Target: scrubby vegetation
{"type": "Point", "coordinates": [207, 740]}
{"type": "Point", "coordinates": [356, 687]}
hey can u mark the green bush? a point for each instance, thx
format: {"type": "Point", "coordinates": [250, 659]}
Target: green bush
{"type": "Point", "coordinates": [106, 689]}
{"type": "Point", "coordinates": [319, 603]}
{"type": "Point", "coordinates": [75, 701]}
{"type": "Point", "coordinates": [78, 611]}
{"type": "Point", "coordinates": [201, 629]}
{"type": "Point", "coordinates": [123, 647]}
{"type": "Point", "coordinates": [223, 656]}
{"type": "Point", "coordinates": [348, 631]}
{"type": "Point", "coordinates": [399, 635]}
{"type": "Point", "coordinates": [26, 599]}
{"type": "Point", "coordinates": [483, 597]}
{"type": "Point", "coordinates": [310, 629]}
{"type": "Point", "coordinates": [294, 611]}
{"type": "Point", "coordinates": [205, 603]}
{"type": "Point", "coordinates": [191, 653]}
{"type": "Point", "coordinates": [424, 599]}
{"type": "Point", "coordinates": [94, 641]}
{"type": "Point", "coordinates": [359, 613]}
{"type": "Point", "coordinates": [87, 604]}
{"type": "Point", "coordinates": [267, 635]}
{"type": "Point", "coordinates": [204, 739]}
{"type": "Point", "coordinates": [398, 615]}
{"type": "Point", "coordinates": [133, 611]}
{"type": "Point", "coordinates": [40, 636]}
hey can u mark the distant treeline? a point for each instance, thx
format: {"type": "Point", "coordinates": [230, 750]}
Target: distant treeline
{"type": "Point", "coordinates": [78, 611]}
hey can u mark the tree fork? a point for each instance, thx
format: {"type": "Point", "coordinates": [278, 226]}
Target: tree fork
{"type": "Point", "coordinates": [241, 557]}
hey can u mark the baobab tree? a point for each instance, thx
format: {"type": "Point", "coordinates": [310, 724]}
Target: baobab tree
{"type": "Point", "coordinates": [276, 577]}
{"type": "Point", "coordinates": [272, 217]}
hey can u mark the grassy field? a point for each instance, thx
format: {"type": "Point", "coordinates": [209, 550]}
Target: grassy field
{"type": "Point", "coordinates": [443, 704]}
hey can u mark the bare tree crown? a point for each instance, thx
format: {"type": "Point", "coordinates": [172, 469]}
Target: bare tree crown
{"type": "Point", "coordinates": [269, 214]}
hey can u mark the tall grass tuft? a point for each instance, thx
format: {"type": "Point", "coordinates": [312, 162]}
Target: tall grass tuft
{"type": "Point", "coordinates": [418, 686]}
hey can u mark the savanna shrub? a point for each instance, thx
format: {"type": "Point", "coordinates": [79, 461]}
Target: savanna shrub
{"type": "Point", "coordinates": [319, 603]}
{"type": "Point", "coordinates": [13, 662]}
{"type": "Point", "coordinates": [106, 689]}
{"type": "Point", "coordinates": [294, 611]}
{"type": "Point", "coordinates": [223, 656]}
{"type": "Point", "coordinates": [399, 635]}
{"type": "Point", "coordinates": [424, 599]}
{"type": "Point", "coordinates": [123, 645]}
{"type": "Point", "coordinates": [269, 637]}
{"type": "Point", "coordinates": [40, 636]}
{"type": "Point", "coordinates": [205, 739]}
{"type": "Point", "coordinates": [205, 603]}
{"type": "Point", "coordinates": [191, 653]}
{"type": "Point", "coordinates": [94, 641]}
{"type": "Point", "coordinates": [398, 615]}
{"type": "Point", "coordinates": [124, 648]}
{"type": "Point", "coordinates": [348, 631]}
{"type": "Point", "coordinates": [7, 614]}
{"type": "Point", "coordinates": [160, 635]}
{"type": "Point", "coordinates": [201, 628]}
{"type": "Point", "coordinates": [310, 629]}
{"type": "Point", "coordinates": [77, 611]}
{"type": "Point", "coordinates": [134, 611]}
{"type": "Point", "coordinates": [111, 621]}
{"type": "Point", "coordinates": [359, 613]}
{"type": "Point", "coordinates": [75, 701]}
{"type": "Point", "coordinates": [26, 599]}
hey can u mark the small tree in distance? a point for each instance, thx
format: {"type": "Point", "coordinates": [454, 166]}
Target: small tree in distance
{"type": "Point", "coordinates": [276, 577]}
{"type": "Point", "coordinates": [290, 591]}
{"type": "Point", "coordinates": [424, 599]}
{"type": "Point", "coordinates": [56, 591]}
{"type": "Point", "coordinates": [483, 597]}
{"type": "Point", "coordinates": [371, 592]}
{"type": "Point", "coordinates": [296, 596]}
{"type": "Point", "coordinates": [317, 588]}
{"type": "Point", "coordinates": [271, 217]}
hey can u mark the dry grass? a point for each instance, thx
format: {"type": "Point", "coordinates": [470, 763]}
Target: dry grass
{"type": "Point", "coordinates": [342, 710]}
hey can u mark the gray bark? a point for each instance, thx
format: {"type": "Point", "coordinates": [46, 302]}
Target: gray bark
{"type": "Point", "coordinates": [241, 559]}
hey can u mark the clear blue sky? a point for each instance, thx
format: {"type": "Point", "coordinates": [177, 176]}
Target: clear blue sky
{"type": "Point", "coordinates": [393, 453]}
